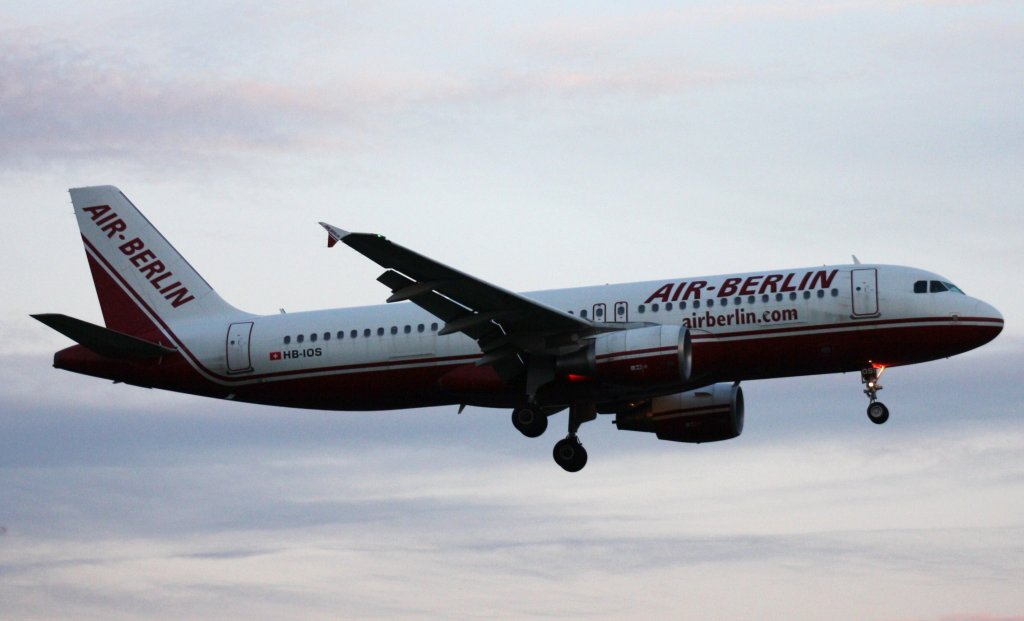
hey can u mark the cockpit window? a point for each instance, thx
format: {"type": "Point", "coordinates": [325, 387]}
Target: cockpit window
{"type": "Point", "coordinates": [935, 286]}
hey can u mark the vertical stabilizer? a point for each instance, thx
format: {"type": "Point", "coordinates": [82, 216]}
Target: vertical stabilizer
{"type": "Point", "coordinates": [141, 280]}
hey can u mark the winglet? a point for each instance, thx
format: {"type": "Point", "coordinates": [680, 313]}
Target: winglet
{"type": "Point", "coordinates": [334, 234]}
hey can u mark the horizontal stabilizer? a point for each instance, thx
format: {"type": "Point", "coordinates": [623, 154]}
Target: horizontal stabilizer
{"type": "Point", "coordinates": [103, 341]}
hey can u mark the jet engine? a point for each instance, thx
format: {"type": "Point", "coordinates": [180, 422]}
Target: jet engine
{"type": "Point", "coordinates": [651, 355]}
{"type": "Point", "coordinates": [707, 414]}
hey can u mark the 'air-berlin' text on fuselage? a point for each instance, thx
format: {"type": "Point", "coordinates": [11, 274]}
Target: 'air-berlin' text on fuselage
{"type": "Point", "coordinates": [751, 285]}
{"type": "Point", "coordinates": [141, 257]}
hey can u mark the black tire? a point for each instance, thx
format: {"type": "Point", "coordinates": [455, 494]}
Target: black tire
{"type": "Point", "coordinates": [570, 454]}
{"type": "Point", "coordinates": [878, 413]}
{"type": "Point", "coordinates": [530, 421]}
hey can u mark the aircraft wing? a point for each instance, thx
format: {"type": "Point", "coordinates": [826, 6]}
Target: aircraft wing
{"type": "Point", "coordinates": [503, 323]}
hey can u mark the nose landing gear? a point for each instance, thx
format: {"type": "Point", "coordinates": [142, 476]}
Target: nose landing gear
{"type": "Point", "coordinates": [869, 376]}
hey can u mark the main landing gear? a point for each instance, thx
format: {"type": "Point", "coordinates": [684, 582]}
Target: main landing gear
{"type": "Point", "coordinates": [877, 412]}
{"type": "Point", "coordinates": [569, 453]}
{"type": "Point", "coordinates": [530, 421]}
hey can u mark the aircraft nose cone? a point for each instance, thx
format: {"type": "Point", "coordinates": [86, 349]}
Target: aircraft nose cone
{"type": "Point", "coordinates": [991, 317]}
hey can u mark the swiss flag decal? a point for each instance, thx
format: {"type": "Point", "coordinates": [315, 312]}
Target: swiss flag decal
{"type": "Point", "coordinates": [275, 355]}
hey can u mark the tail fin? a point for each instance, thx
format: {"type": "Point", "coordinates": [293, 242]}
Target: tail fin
{"type": "Point", "coordinates": [140, 279]}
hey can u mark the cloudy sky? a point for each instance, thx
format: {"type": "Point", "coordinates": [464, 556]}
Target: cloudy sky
{"type": "Point", "coordinates": [536, 146]}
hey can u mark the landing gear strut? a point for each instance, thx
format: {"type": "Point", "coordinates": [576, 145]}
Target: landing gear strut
{"type": "Point", "coordinates": [569, 452]}
{"type": "Point", "coordinates": [877, 412]}
{"type": "Point", "coordinates": [530, 421]}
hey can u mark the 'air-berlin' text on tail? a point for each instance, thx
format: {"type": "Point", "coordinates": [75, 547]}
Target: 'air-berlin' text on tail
{"type": "Point", "coordinates": [142, 282]}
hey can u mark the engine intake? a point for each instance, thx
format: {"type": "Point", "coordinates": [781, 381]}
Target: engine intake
{"type": "Point", "coordinates": [708, 414]}
{"type": "Point", "coordinates": [651, 355]}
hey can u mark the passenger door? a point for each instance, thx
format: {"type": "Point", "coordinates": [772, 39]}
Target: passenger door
{"type": "Point", "coordinates": [864, 292]}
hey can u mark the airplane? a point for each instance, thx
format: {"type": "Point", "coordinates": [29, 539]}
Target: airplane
{"type": "Point", "coordinates": [665, 357]}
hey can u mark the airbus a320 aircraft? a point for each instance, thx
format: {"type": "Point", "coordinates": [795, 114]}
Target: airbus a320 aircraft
{"type": "Point", "coordinates": [664, 356]}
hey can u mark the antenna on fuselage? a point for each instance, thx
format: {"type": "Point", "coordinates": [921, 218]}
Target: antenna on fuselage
{"type": "Point", "coordinates": [856, 261]}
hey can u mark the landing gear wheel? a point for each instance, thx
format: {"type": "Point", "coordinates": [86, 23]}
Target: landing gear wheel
{"type": "Point", "coordinates": [869, 376]}
{"type": "Point", "coordinates": [570, 454]}
{"type": "Point", "coordinates": [530, 421]}
{"type": "Point", "coordinates": [878, 413]}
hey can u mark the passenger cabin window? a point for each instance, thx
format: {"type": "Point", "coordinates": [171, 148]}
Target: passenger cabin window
{"type": "Point", "coordinates": [287, 340]}
{"type": "Point", "coordinates": [327, 336]}
{"type": "Point", "coordinates": [711, 303]}
{"type": "Point", "coordinates": [366, 332]}
{"type": "Point", "coordinates": [921, 286]}
{"type": "Point", "coordinates": [380, 331]}
{"type": "Point", "coordinates": [420, 328]}
{"type": "Point", "coordinates": [821, 293]}
{"type": "Point", "coordinates": [583, 313]}
{"type": "Point", "coordinates": [312, 338]}
{"type": "Point", "coordinates": [341, 334]}
{"type": "Point", "coordinates": [807, 295]}
{"type": "Point", "coordinates": [354, 333]}
{"type": "Point", "coordinates": [433, 327]}
{"type": "Point", "coordinates": [655, 308]}
{"type": "Point", "coordinates": [300, 338]}
{"type": "Point", "coordinates": [408, 329]}
{"type": "Point", "coordinates": [641, 309]}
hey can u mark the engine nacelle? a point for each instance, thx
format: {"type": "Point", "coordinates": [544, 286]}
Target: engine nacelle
{"type": "Point", "coordinates": [708, 414]}
{"type": "Point", "coordinates": [651, 355]}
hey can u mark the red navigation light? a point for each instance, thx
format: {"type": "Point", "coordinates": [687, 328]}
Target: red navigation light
{"type": "Point", "coordinates": [578, 378]}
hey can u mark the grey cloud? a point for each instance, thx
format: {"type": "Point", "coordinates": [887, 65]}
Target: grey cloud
{"type": "Point", "coordinates": [62, 102]}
